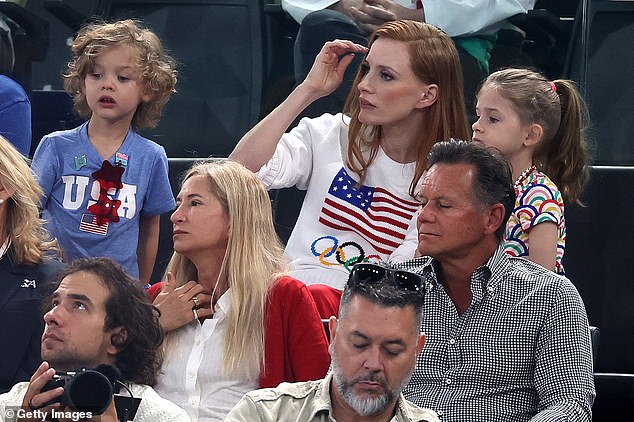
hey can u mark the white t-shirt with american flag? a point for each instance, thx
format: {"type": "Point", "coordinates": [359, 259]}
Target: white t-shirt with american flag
{"type": "Point", "coordinates": [339, 224]}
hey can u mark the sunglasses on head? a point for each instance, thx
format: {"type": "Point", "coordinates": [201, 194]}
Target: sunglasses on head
{"type": "Point", "coordinates": [371, 274]}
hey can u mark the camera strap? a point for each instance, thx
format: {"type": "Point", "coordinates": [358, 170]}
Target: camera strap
{"type": "Point", "coordinates": [126, 407]}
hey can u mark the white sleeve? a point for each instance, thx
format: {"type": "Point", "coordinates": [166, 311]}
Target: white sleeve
{"type": "Point", "coordinates": [11, 401]}
{"type": "Point", "coordinates": [294, 159]}
{"type": "Point", "coordinates": [465, 17]}
{"type": "Point", "coordinates": [298, 9]}
{"type": "Point", "coordinates": [408, 248]}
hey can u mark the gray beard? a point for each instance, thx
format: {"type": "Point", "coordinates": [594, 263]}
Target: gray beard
{"type": "Point", "coordinates": [365, 406]}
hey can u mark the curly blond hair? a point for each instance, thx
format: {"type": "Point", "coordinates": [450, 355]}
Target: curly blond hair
{"type": "Point", "coordinates": [31, 243]}
{"type": "Point", "coordinates": [157, 70]}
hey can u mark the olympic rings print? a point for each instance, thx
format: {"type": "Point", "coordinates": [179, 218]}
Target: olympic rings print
{"type": "Point", "coordinates": [346, 254]}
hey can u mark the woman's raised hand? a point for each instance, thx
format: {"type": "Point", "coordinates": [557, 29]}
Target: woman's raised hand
{"type": "Point", "coordinates": [178, 306]}
{"type": "Point", "coordinates": [258, 145]}
{"type": "Point", "coordinates": [330, 66]}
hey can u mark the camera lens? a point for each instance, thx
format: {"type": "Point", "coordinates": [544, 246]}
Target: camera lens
{"type": "Point", "coordinates": [89, 391]}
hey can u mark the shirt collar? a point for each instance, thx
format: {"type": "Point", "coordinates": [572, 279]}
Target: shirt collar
{"type": "Point", "coordinates": [407, 411]}
{"type": "Point", "coordinates": [5, 246]}
{"type": "Point", "coordinates": [221, 310]}
{"type": "Point", "coordinates": [495, 269]}
{"type": "Point", "coordinates": [322, 402]}
{"type": "Point", "coordinates": [223, 304]}
{"type": "Point", "coordinates": [488, 276]}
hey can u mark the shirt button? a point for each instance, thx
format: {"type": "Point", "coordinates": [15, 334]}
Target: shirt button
{"type": "Point", "coordinates": [190, 375]}
{"type": "Point", "coordinates": [490, 289]}
{"type": "Point", "coordinates": [448, 381]}
{"type": "Point", "coordinates": [440, 413]}
{"type": "Point", "coordinates": [197, 343]}
{"type": "Point", "coordinates": [452, 341]}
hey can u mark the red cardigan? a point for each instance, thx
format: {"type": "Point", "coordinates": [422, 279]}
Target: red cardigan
{"type": "Point", "coordinates": [296, 347]}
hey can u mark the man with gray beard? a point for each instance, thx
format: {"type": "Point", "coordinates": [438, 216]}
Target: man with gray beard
{"type": "Point", "coordinates": [375, 343]}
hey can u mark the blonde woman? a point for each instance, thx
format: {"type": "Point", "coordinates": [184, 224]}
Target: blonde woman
{"type": "Point", "coordinates": [26, 266]}
{"type": "Point", "coordinates": [235, 321]}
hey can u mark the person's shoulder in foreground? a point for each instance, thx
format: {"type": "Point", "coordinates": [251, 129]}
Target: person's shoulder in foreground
{"type": "Point", "coordinates": [307, 401]}
{"type": "Point", "coordinates": [152, 407]}
{"type": "Point", "coordinates": [155, 408]}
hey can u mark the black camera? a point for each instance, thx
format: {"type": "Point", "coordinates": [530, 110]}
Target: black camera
{"type": "Point", "coordinates": [87, 390]}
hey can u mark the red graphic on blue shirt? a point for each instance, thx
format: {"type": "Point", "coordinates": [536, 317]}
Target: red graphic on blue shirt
{"type": "Point", "coordinates": [106, 209]}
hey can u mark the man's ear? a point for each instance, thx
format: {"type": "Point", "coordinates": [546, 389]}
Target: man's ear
{"type": "Point", "coordinates": [495, 216]}
{"type": "Point", "coordinates": [428, 96]}
{"type": "Point", "coordinates": [421, 342]}
{"type": "Point", "coordinates": [332, 327]}
{"type": "Point", "coordinates": [118, 337]}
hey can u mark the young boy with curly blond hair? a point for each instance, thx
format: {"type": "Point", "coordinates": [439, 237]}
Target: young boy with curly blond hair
{"type": "Point", "coordinates": [105, 186]}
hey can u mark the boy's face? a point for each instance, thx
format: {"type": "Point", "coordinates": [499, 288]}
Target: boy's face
{"type": "Point", "coordinates": [113, 88]}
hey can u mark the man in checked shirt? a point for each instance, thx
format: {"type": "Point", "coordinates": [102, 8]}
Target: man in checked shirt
{"type": "Point", "coordinates": [507, 340]}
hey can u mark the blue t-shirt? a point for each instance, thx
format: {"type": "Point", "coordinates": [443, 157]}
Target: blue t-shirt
{"type": "Point", "coordinates": [64, 163]}
{"type": "Point", "coordinates": [15, 115]}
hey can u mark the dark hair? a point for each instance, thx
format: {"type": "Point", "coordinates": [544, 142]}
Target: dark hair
{"type": "Point", "coordinates": [493, 183]}
{"type": "Point", "coordinates": [128, 306]}
{"type": "Point", "coordinates": [385, 293]}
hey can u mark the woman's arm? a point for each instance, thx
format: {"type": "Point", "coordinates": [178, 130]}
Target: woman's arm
{"type": "Point", "coordinates": [306, 337]}
{"type": "Point", "coordinates": [258, 145]}
{"type": "Point", "coordinates": [296, 347]}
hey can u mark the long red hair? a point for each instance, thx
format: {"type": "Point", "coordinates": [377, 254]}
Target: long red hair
{"type": "Point", "coordinates": [434, 60]}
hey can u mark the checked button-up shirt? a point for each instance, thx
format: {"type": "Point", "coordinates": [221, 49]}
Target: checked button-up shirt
{"type": "Point", "coordinates": [521, 351]}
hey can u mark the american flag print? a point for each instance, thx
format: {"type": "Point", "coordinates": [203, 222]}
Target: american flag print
{"type": "Point", "coordinates": [375, 214]}
{"type": "Point", "coordinates": [89, 224]}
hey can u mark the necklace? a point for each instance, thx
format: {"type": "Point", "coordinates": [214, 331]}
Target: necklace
{"type": "Point", "coordinates": [524, 176]}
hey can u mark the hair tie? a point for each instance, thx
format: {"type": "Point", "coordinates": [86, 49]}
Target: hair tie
{"type": "Point", "coordinates": [552, 85]}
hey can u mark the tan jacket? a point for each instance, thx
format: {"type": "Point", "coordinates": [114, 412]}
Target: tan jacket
{"type": "Point", "coordinates": [308, 402]}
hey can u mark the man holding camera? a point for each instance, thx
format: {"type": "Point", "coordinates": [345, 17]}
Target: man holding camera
{"type": "Point", "coordinates": [97, 316]}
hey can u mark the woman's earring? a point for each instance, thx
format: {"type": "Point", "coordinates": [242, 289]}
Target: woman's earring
{"type": "Point", "coordinates": [1, 201]}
